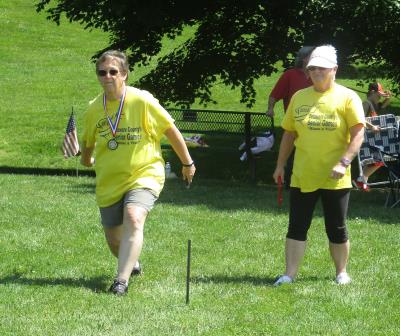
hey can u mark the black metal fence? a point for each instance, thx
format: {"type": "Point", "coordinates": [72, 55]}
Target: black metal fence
{"type": "Point", "coordinates": [247, 124]}
{"type": "Point", "coordinates": [221, 122]}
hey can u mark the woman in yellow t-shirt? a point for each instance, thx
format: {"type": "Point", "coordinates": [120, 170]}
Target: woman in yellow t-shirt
{"type": "Point", "coordinates": [325, 123]}
{"type": "Point", "coordinates": [122, 128]}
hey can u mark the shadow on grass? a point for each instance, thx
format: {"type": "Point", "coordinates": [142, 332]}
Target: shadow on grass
{"type": "Point", "coordinates": [249, 279]}
{"type": "Point", "coordinates": [233, 196]}
{"type": "Point", "coordinates": [372, 205]}
{"type": "Point", "coordinates": [226, 279]}
{"type": "Point", "coordinates": [222, 195]}
{"type": "Point", "coordinates": [84, 188]}
{"type": "Point", "coordinates": [96, 284]}
{"type": "Point", "coordinates": [45, 171]}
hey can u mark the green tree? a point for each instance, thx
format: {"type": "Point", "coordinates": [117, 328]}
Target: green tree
{"type": "Point", "coordinates": [236, 42]}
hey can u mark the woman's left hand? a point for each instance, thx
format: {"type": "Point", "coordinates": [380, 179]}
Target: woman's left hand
{"type": "Point", "coordinates": [188, 173]}
{"type": "Point", "coordinates": [338, 171]}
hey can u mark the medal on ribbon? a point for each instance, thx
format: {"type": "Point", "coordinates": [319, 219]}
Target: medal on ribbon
{"type": "Point", "coordinates": [113, 144]}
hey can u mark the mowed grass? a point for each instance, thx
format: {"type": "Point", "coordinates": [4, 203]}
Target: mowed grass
{"type": "Point", "coordinates": [45, 73]}
{"type": "Point", "coordinates": [56, 268]}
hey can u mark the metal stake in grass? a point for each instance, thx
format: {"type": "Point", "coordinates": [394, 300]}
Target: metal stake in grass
{"type": "Point", "coordinates": [188, 271]}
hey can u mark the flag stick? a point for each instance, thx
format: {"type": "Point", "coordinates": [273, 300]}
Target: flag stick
{"type": "Point", "coordinates": [76, 157]}
{"type": "Point", "coordinates": [76, 166]}
{"type": "Point", "coordinates": [188, 271]}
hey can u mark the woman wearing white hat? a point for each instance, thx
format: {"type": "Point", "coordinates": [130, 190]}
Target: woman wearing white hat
{"type": "Point", "coordinates": [325, 123]}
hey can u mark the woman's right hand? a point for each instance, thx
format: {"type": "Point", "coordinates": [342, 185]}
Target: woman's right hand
{"type": "Point", "coordinates": [279, 172]}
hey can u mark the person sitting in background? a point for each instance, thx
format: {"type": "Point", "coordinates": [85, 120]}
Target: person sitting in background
{"type": "Point", "coordinates": [373, 106]}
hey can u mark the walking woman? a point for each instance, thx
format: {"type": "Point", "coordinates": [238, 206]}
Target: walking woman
{"type": "Point", "coordinates": [123, 127]}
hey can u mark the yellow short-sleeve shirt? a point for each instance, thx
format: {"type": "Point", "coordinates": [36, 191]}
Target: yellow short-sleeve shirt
{"type": "Point", "coordinates": [322, 122]}
{"type": "Point", "coordinates": [137, 161]}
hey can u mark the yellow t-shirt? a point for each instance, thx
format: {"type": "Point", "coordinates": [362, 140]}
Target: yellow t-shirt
{"type": "Point", "coordinates": [322, 122]}
{"type": "Point", "coordinates": [137, 161]}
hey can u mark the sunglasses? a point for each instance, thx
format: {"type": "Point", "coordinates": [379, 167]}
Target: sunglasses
{"type": "Point", "coordinates": [313, 68]}
{"type": "Point", "coordinates": [103, 73]}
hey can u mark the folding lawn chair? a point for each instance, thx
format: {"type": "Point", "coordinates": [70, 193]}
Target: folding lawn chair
{"type": "Point", "coordinates": [393, 167]}
{"type": "Point", "coordinates": [383, 147]}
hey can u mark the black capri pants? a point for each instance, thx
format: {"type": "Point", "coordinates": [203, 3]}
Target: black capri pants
{"type": "Point", "coordinates": [334, 203]}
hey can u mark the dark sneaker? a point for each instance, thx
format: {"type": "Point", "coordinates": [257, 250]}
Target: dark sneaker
{"type": "Point", "coordinates": [119, 287]}
{"type": "Point", "coordinates": [137, 270]}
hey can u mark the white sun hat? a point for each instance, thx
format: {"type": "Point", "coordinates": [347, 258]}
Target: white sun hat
{"type": "Point", "coordinates": [324, 57]}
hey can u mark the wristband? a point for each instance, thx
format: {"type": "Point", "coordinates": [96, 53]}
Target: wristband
{"type": "Point", "coordinates": [345, 162]}
{"type": "Point", "coordinates": [188, 165]}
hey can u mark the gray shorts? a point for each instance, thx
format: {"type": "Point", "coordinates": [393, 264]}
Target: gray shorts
{"type": "Point", "coordinates": [113, 215]}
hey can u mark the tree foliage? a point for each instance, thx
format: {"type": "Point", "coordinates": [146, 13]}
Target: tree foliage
{"type": "Point", "coordinates": [236, 42]}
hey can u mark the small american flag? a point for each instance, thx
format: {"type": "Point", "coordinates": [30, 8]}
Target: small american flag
{"type": "Point", "coordinates": [70, 145]}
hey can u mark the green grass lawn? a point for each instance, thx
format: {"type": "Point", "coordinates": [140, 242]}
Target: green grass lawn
{"type": "Point", "coordinates": [56, 268]}
{"type": "Point", "coordinates": [46, 70]}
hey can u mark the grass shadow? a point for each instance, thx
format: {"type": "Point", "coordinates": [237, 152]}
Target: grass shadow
{"type": "Point", "coordinates": [240, 279]}
{"type": "Point", "coordinates": [249, 279]}
{"type": "Point", "coordinates": [225, 196]}
{"type": "Point", "coordinates": [84, 187]}
{"type": "Point", "coordinates": [95, 284]}
{"type": "Point", "coordinates": [45, 171]}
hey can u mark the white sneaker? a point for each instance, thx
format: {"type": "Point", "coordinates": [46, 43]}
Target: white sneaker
{"type": "Point", "coordinates": [283, 279]}
{"type": "Point", "coordinates": [343, 279]}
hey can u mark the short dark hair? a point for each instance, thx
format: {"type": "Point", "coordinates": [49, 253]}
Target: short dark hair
{"type": "Point", "coordinates": [376, 87]}
{"type": "Point", "coordinates": [302, 54]}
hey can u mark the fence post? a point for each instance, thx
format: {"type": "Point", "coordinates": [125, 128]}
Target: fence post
{"type": "Point", "coordinates": [250, 157]}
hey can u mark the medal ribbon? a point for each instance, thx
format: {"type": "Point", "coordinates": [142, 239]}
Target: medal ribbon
{"type": "Point", "coordinates": [114, 126]}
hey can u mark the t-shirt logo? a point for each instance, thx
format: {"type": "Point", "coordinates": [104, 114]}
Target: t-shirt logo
{"type": "Point", "coordinates": [301, 112]}
{"type": "Point", "coordinates": [103, 128]}
{"type": "Point", "coordinates": [318, 121]}
{"type": "Point", "coordinates": [124, 135]}
{"type": "Point", "coordinates": [316, 117]}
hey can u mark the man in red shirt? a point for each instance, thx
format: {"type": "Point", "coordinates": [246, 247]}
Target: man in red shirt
{"type": "Point", "coordinates": [291, 81]}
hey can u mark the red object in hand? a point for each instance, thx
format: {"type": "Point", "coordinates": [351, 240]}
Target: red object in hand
{"type": "Point", "coordinates": [280, 196]}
